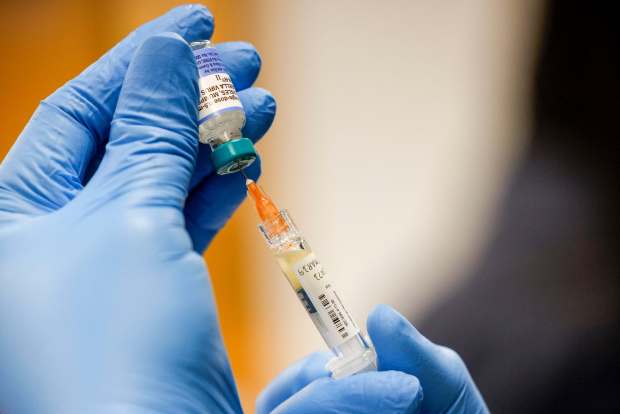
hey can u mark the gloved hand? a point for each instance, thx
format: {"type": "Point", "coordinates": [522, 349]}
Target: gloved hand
{"type": "Point", "coordinates": [415, 376]}
{"type": "Point", "coordinates": [106, 203]}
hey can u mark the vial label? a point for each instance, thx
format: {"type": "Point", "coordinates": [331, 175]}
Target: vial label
{"type": "Point", "coordinates": [317, 286]}
{"type": "Point", "coordinates": [217, 92]}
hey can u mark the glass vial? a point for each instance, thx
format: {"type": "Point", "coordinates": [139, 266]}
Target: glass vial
{"type": "Point", "coordinates": [220, 113]}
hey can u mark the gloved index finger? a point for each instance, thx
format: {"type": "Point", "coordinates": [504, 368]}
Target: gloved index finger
{"type": "Point", "coordinates": [242, 63]}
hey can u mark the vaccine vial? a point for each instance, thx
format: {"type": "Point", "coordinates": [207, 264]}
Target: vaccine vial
{"type": "Point", "coordinates": [220, 113]}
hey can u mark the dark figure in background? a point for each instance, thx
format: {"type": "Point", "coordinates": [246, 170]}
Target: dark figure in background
{"type": "Point", "coordinates": [539, 323]}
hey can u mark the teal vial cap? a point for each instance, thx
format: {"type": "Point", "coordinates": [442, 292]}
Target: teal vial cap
{"type": "Point", "coordinates": [233, 156]}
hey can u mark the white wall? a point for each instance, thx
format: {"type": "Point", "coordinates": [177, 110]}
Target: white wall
{"type": "Point", "coordinates": [397, 124]}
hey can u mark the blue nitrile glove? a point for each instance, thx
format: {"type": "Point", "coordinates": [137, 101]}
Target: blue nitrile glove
{"type": "Point", "coordinates": [415, 376]}
{"type": "Point", "coordinates": [106, 203]}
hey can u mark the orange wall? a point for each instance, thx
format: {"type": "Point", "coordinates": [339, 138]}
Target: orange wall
{"type": "Point", "coordinates": [45, 43]}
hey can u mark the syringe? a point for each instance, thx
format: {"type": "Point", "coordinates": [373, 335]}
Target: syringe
{"type": "Point", "coordinates": [352, 352]}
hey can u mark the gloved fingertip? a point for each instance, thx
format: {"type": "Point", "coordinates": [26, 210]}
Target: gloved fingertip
{"type": "Point", "coordinates": [192, 21]}
{"type": "Point", "coordinates": [384, 321]}
{"type": "Point", "coordinates": [260, 107]}
{"type": "Point", "coordinates": [242, 62]}
{"type": "Point", "coordinates": [314, 366]}
{"type": "Point", "coordinates": [168, 43]}
{"type": "Point", "coordinates": [254, 170]}
{"type": "Point", "coordinates": [402, 391]}
{"type": "Point", "coordinates": [394, 392]}
{"type": "Point", "coordinates": [261, 101]}
{"type": "Point", "coordinates": [251, 53]}
{"type": "Point", "coordinates": [194, 13]}
{"type": "Point", "coordinates": [397, 342]}
{"type": "Point", "coordinates": [268, 101]}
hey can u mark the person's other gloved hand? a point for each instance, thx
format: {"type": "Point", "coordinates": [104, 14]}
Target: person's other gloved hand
{"type": "Point", "coordinates": [415, 376]}
{"type": "Point", "coordinates": [106, 204]}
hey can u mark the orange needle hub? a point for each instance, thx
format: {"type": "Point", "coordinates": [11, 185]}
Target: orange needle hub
{"type": "Point", "coordinates": [266, 209]}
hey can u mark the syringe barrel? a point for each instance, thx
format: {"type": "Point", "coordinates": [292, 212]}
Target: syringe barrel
{"type": "Point", "coordinates": [352, 352]}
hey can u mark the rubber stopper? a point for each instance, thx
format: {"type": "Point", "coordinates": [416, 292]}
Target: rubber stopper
{"type": "Point", "coordinates": [233, 156]}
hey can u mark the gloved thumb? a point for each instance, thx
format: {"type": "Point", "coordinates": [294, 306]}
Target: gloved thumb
{"type": "Point", "coordinates": [368, 393]}
{"type": "Point", "coordinates": [153, 142]}
{"type": "Point", "coordinates": [448, 387]}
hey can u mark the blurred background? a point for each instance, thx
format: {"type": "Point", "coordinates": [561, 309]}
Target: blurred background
{"type": "Point", "coordinates": [456, 160]}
